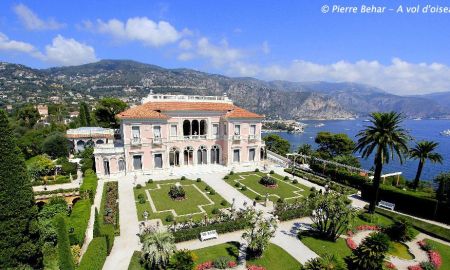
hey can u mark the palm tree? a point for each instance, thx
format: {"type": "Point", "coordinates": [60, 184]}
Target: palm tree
{"type": "Point", "coordinates": [422, 151]}
{"type": "Point", "coordinates": [157, 247]}
{"type": "Point", "coordinates": [387, 138]}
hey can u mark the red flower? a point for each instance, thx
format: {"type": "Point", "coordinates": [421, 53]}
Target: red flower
{"type": "Point", "coordinates": [415, 267]}
{"type": "Point", "coordinates": [205, 265]}
{"type": "Point", "coordinates": [232, 264]}
{"type": "Point", "coordinates": [350, 233]}
{"type": "Point", "coordinates": [390, 265]}
{"type": "Point", "coordinates": [367, 227]}
{"type": "Point", "coordinates": [255, 267]}
{"type": "Point", "coordinates": [350, 243]}
{"type": "Point", "coordinates": [435, 258]}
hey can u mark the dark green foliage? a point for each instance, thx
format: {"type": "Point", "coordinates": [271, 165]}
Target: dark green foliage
{"type": "Point", "coordinates": [328, 262]}
{"type": "Point", "coordinates": [244, 188]}
{"type": "Point", "coordinates": [221, 262]}
{"type": "Point", "coordinates": [78, 221]}
{"type": "Point", "coordinates": [150, 181]}
{"type": "Point", "coordinates": [67, 167]}
{"type": "Point", "coordinates": [84, 117]}
{"type": "Point", "coordinates": [258, 198]}
{"type": "Point", "coordinates": [224, 203]}
{"type": "Point", "coordinates": [89, 186]}
{"type": "Point", "coordinates": [64, 253]}
{"type": "Point", "coordinates": [367, 217]}
{"type": "Point", "coordinates": [212, 192]}
{"type": "Point", "coordinates": [272, 172]}
{"type": "Point", "coordinates": [268, 181]}
{"type": "Point", "coordinates": [106, 112]}
{"type": "Point", "coordinates": [225, 177]}
{"type": "Point", "coordinates": [286, 178]}
{"type": "Point", "coordinates": [95, 255]}
{"type": "Point", "coordinates": [295, 181]}
{"type": "Point", "coordinates": [423, 151]}
{"type": "Point", "coordinates": [19, 232]}
{"type": "Point", "coordinates": [427, 266]}
{"type": "Point", "coordinates": [87, 159]}
{"type": "Point", "coordinates": [231, 173]}
{"type": "Point", "coordinates": [370, 254]}
{"type": "Point", "coordinates": [169, 218]}
{"type": "Point", "coordinates": [215, 211]}
{"type": "Point", "coordinates": [277, 144]}
{"type": "Point", "coordinates": [223, 227]}
{"type": "Point", "coordinates": [56, 146]}
{"type": "Point", "coordinates": [280, 200]}
{"type": "Point", "coordinates": [55, 206]}
{"type": "Point", "coordinates": [199, 180]}
{"type": "Point", "coordinates": [138, 186]}
{"type": "Point", "coordinates": [96, 224]}
{"type": "Point", "coordinates": [256, 170]}
{"type": "Point", "coordinates": [237, 184]}
{"type": "Point", "coordinates": [400, 230]}
{"type": "Point", "coordinates": [28, 116]}
{"type": "Point", "coordinates": [177, 192]}
{"type": "Point", "coordinates": [331, 145]}
{"type": "Point", "coordinates": [288, 214]}
{"type": "Point", "coordinates": [181, 260]}
{"type": "Point", "coordinates": [183, 178]}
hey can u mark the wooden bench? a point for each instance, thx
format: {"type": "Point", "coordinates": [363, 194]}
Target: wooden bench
{"type": "Point", "coordinates": [208, 235]}
{"type": "Point", "coordinates": [387, 205]}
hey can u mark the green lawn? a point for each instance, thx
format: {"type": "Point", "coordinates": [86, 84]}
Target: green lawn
{"type": "Point", "coordinates": [135, 263]}
{"type": "Point", "coordinates": [275, 258]}
{"type": "Point", "coordinates": [382, 221]}
{"type": "Point", "coordinates": [196, 195]}
{"type": "Point", "coordinates": [400, 250]}
{"type": "Point", "coordinates": [323, 247]}
{"type": "Point", "coordinates": [285, 189]}
{"type": "Point", "coordinates": [230, 249]}
{"type": "Point", "coordinates": [444, 250]}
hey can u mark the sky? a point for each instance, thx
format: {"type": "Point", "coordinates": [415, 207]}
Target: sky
{"type": "Point", "coordinates": [397, 50]}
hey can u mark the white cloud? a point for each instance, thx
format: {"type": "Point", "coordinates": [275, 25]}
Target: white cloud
{"type": "Point", "coordinates": [185, 44]}
{"type": "Point", "coordinates": [399, 76]}
{"type": "Point", "coordinates": [219, 55]}
{"type": "Point", "coordinates": [141, 29]}
{"type": "Point", "coordinates": [32, 21]}
{"type": "Point", "coordinates": [185, 56]}
{"type": "Point", "coordinates": [68, 51]}
{"type": "Point", "coordinates": [7, 44]}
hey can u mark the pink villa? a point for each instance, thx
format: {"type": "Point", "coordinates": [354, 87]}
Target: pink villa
{"type": "Point", "coordinates": [168, 132]}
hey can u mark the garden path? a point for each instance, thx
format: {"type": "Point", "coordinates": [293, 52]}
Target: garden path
{"type": "Point", "coordinates": [128, 241]}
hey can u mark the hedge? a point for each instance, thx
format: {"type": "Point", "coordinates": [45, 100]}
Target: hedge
{"type": "Point", "coordinates": [223, 227]}
{"type": "Point", "coordinates": [341, 176]}
{"type": "Point", "coordinates": [56, 191]}
{"type": "Point", "coordinates": [78, 221]}
{"type": "Point", "coordinates": [107, 231]}
{"type": "Point", "coordinates": [290, 214]}
{"type": "Point", "coordinates": [64, 253]}
{"type": "Point", "coordinates": [425, 227]}
{"type": "Point", "coordinates": [344, 189]}
{"type": "Point", "coordinates": [89, 186]}
{"type": "Point", "coordinates": [409, 203]}
{"type": "Point", "coordinates": [95, 255]}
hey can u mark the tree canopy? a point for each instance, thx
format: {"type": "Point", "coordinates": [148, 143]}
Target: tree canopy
{"type": "Point", "coordinates": [331, 145]}
{"type": "Point", "coordinates": [28, 116]}
{"type": "Point", "coordinates": [277, 144]}
{"type": "Point", "coordinates": [56, 145]}
{"type": "Point", "coordinates": [19, 233]}
{"type": "Point", "coordinates": [106, 112]}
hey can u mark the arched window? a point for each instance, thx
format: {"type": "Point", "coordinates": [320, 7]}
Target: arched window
{"type": "Point", "coordinates": [80, 145]}
{"type": "Point", "coordinates": [203, 127]}
{"type": "Point", "coordinates": [215, 154]}
{"type": "Point", "coordinates": [174, 157]}
{"type": "Point", "coordinates": [99, 142]}
{"type": "Point", "coordinates": [202, 155]}
{"type": "Point", "coordinates": [195, 127]}
{"type": "Point", "coordinates": [106, 166]}
{"type": "Point", "coordinates": [121, 165]}
{"type": "Point", "coordinates": [188, 154]}
{"type": "Point", "coordinates": [262, 153]}
{"type": "Point", "coordinates": [186, 128]}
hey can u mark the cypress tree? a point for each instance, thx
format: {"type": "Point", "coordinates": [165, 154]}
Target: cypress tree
{"type": "Point", "coordinates": [82, 116]}
{"type": "Point", "coordinates": [96, 224]}
{"type": "Point", "coordinates": [19, 233]}
{"type": "Point", "coordinates": [64, 253]}
{"type": "Point", "coordinates": [87, 114]}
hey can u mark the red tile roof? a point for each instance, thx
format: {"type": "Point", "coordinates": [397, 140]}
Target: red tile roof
{"type": "Point", "coordinates": [155, 110]}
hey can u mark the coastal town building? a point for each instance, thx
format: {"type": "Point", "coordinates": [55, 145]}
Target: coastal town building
{"type": "Point", "coordinates": [167, 132]}
{"type": "Point", "coordinates": [90, 136]}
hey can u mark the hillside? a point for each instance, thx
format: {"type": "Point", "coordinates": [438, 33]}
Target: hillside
{"type": "Point", "coordinates": [132, 80]}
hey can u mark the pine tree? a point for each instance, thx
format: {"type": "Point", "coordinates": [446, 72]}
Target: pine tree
{"type": "Point", "coordinates": [19, 234]}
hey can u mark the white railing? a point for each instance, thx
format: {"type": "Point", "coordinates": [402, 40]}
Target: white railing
{"type": "Point", "coordinates": [236, 137]}
{"type": "Point", "coordinates": [252, 137]}
{"type": "Point", "coordinates": [135, 141]}
{"type": "Point", "coordinates": [157, 141]}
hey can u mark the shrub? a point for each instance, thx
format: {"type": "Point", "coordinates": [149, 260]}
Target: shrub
{"type": "Point", "coordinates": [367, 217]}
{"type": "Point", "coordinates": [286, 178]}
{"type": "Point", "coordinates": [108, 231]}
{"type": "Point", "coordinates": [183, 177]}
{"type": "Point", "coordinates": [313, 189]}
{"type": "Point", "coordinates": [224, 203]}
{"type": "Point", "coordinates": [169, 218]}
{"type": "Point", "coordinates": [243, 188]}
{"type": "Point", "coordinates": [400, 230]}
{"type": "Point", "coordinates": [78, 221]}
{"type": "Point", "coordinates": [150, 181]}
{"type": "Point", "coordinates": [215, 211]}
{"type": "Point", "coordinates": [268, 181]}
{"type": "Point", "coordinates": [182, 260]}
{"type": "Point", "coordinates": [280, 200]}
{"type": "Point", "coordinates": [256, 170]}
{"type": "Point", "coordinates": [221, 262]}
{"type": "Point", "coordinates": [142, 200]}
{"type": "Point", "coordinates": [295, 181]}
{"type": "Point", "coordinates": [288, 214]}
{"type": "Point", "coordinates": [138, 186]}
{"type": "Point", "coordinates": [177, 192]}
{"type": "Point", "coordinates": [272, 172]}
{"type": "Point", "coordinates": [237, 184]}
{"type": "Point", "coordinates": [199, 180]}
{"type": "Point", "coordinates": [258, 198]}
{"type": "Point", "coordinates": [95, 255]}
{"type": "Point", "coordinates": [64, 253]}
{"type": "Point", "coordinates": [225, 177]}
{"type": "Point", "coordinates": [96, 229]}
{"type": "Point", "coordinates": [212, 192]}
{"type": "Point", "coordinates": [427, 266]}
{"type": "Point", "coordinates": [231, 173]}
{"type": "Point", "coordinates": [207, 188]}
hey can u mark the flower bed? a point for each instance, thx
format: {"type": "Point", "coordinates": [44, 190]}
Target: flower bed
{"type": "Point", "coordinates": [390, 265]}
{"type": "Point", "coordinates": [350, 243]}
{"type": "Point", "coordinates": [268, 181]}
{"type": "Point", "coordinates": [433, 255]}
{"type": "Point", "coordinates": [415, 267]}
{"type": "Point", "coordinates": [210, 265]}
{"type": "Point", "coordinates": [111, 205]}
{"type": "Point", "coordinates": [255, 267]}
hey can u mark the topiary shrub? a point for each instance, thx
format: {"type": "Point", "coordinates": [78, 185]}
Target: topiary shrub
{"type": "Point", "coordinates": [231, 173]}
{"type": "Point", "coordinates": [280, 200]}
{"type": "Point", "coordinates": [237, 184]}
{"type": "Point", "coordinates": [138, 186]}
{"type": "Point", "coordinates": [243, 188]}
{"type": "Point", "coordinates": [212, 192]}
{"type": "Point", "coordinates": [224, 203]}
{"type": "Point", "coordinates": [169, 218]}
{"type": "Point", "coordinates": [150, 181]}
{"type": "Point", "coordinates": [258, 198]}
{"type": "Point", "coordinates": [177, 192]}
{"type": "Point", "coordinates": [313, 189]}
{"type": "Point", "coordinates": [207, 188]}
{"type": "Point", "coordinates": [64, 253]}
{"type": "Point", "coordinates": [272, 172]}
{"type": "Point", "coordinates": [295, 181]}
{"type": "Point", "coordinates": [221, 262]}
{"type": "Point", "coordinates": [199, 180]}
{"type": "Point", "coordinates": [256, 170]}
{"type": "Point", "coordinates": [286, 178]}
{"type": "Point", "coordinates": [215, 211]}
{"type": "Point", "coordinates": [225, 177]}
{"type": "Point", "coordinates": [268, 181]}
{"type": "Point", "coordinates": [183, 177]}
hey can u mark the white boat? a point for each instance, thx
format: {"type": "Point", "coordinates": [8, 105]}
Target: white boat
{"type": "Point", "coordinates": [319, 125]}
{"type": "Point", "coordinates": [417, 119]}
{"type": "Point", "coordinates": [445, 132]}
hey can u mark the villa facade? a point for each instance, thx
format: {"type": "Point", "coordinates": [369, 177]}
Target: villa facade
{"type": "Point", "coordinates": [167, 132]}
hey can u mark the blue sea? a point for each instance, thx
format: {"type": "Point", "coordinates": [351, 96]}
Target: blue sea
{"type": "Point", "coordinates": [418, 129]}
